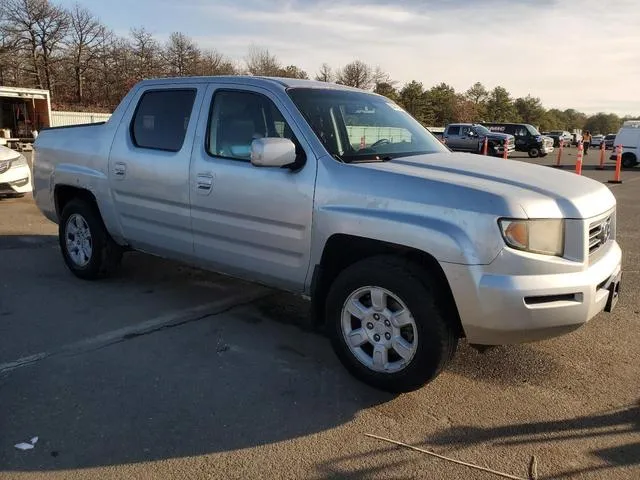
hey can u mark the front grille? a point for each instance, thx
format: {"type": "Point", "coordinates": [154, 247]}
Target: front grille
{"type": "Point", "coordinates": [599, 234]}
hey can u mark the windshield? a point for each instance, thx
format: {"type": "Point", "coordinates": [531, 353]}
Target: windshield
{"type": "Point", "coordinates": [358, 126]}
{"type": "Point", "coordinates": [532, 130]}
{"type": "Point", "coordinates": [480, 130]}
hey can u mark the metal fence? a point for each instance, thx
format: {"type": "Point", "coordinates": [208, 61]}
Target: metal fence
{"type": "Point", "coordinates": [61, 119]}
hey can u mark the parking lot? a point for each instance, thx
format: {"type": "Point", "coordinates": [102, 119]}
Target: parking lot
{"type": "Point", "coordinates": [165, 371]}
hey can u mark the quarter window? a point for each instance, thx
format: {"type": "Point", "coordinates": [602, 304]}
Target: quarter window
{"type": "Point", "coordinates": [161, 119]}
{"type": "Point", "coordinates": [237, 118]}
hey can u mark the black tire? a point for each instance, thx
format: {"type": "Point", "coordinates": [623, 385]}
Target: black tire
{"type": "Point", "coordinates": [437, 339]}
{"type": "Point", "coordinates": [106, 254]}
{"type": "Point", "coordinates": [534, 152]}
{"type": "Point", "coordinates": [629, 160]}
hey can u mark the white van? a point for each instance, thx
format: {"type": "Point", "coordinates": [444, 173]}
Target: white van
{"type": "Point", "coordinates": [629, 137]}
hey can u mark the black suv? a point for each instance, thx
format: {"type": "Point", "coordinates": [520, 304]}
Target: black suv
{"type": "Point", "coordinates": [528, 138]}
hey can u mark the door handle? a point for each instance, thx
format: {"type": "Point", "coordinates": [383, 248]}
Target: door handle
{"type": "Point", "coordinates": [204, 183]}
{"type": "Point", "coordinates": [119, 169]}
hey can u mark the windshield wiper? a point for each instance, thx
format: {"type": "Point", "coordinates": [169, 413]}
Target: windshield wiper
{"type": "Point", "coordinates": [365, 159]}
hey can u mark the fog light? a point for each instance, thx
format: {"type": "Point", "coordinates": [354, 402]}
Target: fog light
{"type": "Point", "coordinates": [20, 183]}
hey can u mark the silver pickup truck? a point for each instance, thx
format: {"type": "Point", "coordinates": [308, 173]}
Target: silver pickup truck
{"type": "Point", "coordinates": [470, 137]}
{"type": "Point", "coordinates": [402, 246]}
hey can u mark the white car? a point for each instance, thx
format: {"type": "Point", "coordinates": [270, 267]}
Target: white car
{"type": "Point", "coordinates": [15, 174]}
{"type": "Point", "coordinates": [629, 137]}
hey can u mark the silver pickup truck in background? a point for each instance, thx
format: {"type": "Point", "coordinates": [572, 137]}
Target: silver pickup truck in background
{"type": "Point", "coordinates": [339, 195]}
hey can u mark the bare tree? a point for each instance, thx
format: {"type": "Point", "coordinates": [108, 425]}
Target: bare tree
{"type": "Point", "coordinates": [260, 62]}
{"type": "Point", "coordinates": [325, 74]}
{"type": "Point", "coordinates": [292, 71]}
{"type": "Point", "coordinates": [146, 51]}
{"type": "Point", "coordinates": [213, 62]}
{"type": "Point", "coordinates": [52, 24]}
{"type": "Point", "coordinates": [9, 54]}
{"type": "Point", "coordinates": [115, 73]}
{"type": "Point", "coordinates": [181, 55]}
{"type": "Point", "coordinates": [84, 36]}
{"type": "Point", "coordinates": [21, 26]}
{"type": "Point", "coordinates": [356, 74]}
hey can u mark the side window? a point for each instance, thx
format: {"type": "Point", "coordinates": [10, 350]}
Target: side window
{"type": "Point", "coordinates": [453, 130]}
{"type": "Point", "coordinates": [237, 118]}
{"type": "Point", "coordinates": [465, 131]}
{"type": "Point", "coordinates": [520, 132]}
{"type": "Point", "coordinates": [161, 119]}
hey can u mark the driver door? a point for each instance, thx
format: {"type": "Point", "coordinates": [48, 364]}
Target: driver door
{"type": "Point", "coordinates": [468, 139]}
{"type": "Point", "coordinates": [248, 221]}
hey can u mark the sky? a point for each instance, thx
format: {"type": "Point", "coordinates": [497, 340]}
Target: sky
{"type": "Point", "coordinates": [582, 54]}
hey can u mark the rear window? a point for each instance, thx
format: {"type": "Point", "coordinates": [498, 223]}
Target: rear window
{"type": "Point", "coordinates": [161, 119]}
{"type": "Point", "coordinates": [453, 130]}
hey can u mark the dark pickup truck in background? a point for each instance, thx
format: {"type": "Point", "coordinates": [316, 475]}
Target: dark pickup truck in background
{"type": "Point", "coordinates": [528, 138]}
{"type": "Point", "coordinates": [469, 137]}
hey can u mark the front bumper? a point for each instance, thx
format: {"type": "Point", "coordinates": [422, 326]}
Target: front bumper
{"type": "Point", "coordinates": [498, 309]}
{"type": "Point", "coordinates": [16, 180]}
{"type": "Point", "coordinates": [547, 148]}
{"type": "Point", "coordinates": [510, 148]}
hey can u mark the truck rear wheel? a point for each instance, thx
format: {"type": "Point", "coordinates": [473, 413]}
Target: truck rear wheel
{"type": "Point", "coordinates": [87, 248]}
{"type": "Point", "coordinates": [385, 325]}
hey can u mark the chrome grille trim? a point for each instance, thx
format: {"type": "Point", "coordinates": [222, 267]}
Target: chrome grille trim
{"type": "Point", "coordinates": [600, 232]}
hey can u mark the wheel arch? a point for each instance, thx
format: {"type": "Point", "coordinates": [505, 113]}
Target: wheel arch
{"type": "Point", "coordinates": [342, 250]}
{"type": "Point", "coordinates": [63, 194]}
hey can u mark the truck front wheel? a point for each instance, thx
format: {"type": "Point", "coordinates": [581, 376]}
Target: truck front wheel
{"type": "Point", "coordinates": [385, 325]}
{"type": "Point", "coordinates": [87, 248]}
{"type": "Point", "coordinates": [534, 152]}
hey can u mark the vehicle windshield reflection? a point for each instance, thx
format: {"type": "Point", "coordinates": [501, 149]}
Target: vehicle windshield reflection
{"type": "Point", "coordinates": [359, 126]}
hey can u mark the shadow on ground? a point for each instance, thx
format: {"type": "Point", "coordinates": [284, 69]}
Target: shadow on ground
{"type": "Point", "coordinates": [214, 385]}
{"type": "Point", "coordinates": [10, 242]}
{"type": "Point", "coordinates": [616, 422]}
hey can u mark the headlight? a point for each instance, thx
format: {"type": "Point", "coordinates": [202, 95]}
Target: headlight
{"type": "Point", "coordinates": [21, 160]}
{"type": "Point", "coordinates": [536, 236]}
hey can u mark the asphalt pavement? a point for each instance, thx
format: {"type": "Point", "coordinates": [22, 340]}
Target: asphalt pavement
{"type": "Point", "coordinates": [166, 371]}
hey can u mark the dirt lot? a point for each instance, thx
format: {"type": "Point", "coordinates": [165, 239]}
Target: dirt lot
{"type": "Point", "coordinates": [169, 372]}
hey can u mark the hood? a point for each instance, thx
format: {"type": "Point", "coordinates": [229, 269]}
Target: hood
{"type": "Point", "coordinates": [499, 136]}
{"type": "Point", "coordinates": [542, 192]}
{"type": "Point", "coordinates": [7, 154]}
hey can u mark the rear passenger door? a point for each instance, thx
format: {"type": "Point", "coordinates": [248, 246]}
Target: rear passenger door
{"type": "Point", "coordinates": [252, 222]}
{"type": "Point", "coordinates": [452, 137]}
{"type": "Point", "coordinates": [149, 168]}
{"type": "Point", "coordinates": [468, 139]}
